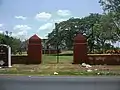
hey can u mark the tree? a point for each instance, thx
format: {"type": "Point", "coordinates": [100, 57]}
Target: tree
{"type": "Point", "coordinates": [12, 42]}
{"type": "Point", "coordinates": [112, 7]}
{"type": "Point", "coordinates": [67, 30]}
{"type": "Point", "coordinates": [99, 30]}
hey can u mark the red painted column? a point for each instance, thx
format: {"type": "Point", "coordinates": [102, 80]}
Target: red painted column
{"type": "Point", "coordinates": [34, 50]}
{"type": "Point", "coordinates": [80, 50]}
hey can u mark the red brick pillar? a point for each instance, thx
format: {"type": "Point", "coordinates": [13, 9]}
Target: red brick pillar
{"type": "Point", "coordinates": [34, 50]}
{"type": "Point", "coordinates": [80, 49]}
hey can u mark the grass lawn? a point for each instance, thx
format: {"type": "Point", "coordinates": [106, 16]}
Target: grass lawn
{"type": "Point", "coordinates": [64, 67]}
{"type": "Point", "coordinates": [52, 59]}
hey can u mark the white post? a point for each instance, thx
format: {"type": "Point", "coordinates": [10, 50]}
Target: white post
{"type": "Point", "coordinates": [9, 56]}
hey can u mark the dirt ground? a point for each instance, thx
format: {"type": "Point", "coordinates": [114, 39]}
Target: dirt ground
{"type": "Point", "coordinates": [62, 69]}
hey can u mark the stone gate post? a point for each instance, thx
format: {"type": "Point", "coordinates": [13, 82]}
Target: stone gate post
{"type": "Point", "coordinates": [80, 49]}
{"type": "Point", "coordinates": [34, 50]}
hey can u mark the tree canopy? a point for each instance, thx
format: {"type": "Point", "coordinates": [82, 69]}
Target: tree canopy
{"type": "Point", "coordinates": [98, 28]}
{"type": "Point", "coordinates": [14, 43]}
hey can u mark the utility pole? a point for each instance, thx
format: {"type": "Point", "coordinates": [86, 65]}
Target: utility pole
{"type": "Point", "coordinates": [92, 39]}
{"type": "Point", "coordinates": [57, 45]}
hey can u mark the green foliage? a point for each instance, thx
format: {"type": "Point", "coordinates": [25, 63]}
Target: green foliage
{"type": "Point", "coordinates": [111, 5]}
{"type": "Point", "coordinates": [12, 42]}
{"type": "Point", "coordinates": [98, 29]}
{"type": "Point", "coordinates": [112, 8]}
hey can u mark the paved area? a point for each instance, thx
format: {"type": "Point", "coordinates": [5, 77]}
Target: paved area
{"type": "Point", "coordinates": [59, 83]}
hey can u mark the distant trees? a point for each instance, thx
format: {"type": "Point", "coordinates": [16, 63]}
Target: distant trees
{"type": "Point", "coordinates": [99, 30]}
{"type": "Point", "coordinates": [7, 39]}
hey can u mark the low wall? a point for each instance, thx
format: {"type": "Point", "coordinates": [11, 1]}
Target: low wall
{"type": "Point", "coordinates": [96, 59]}
{"type": "Point", "coordinates": [101, 59]}
{"type": "Point", "coordinates": [22, 60]}
{"type": "Point", "coordinates": [19, 59]}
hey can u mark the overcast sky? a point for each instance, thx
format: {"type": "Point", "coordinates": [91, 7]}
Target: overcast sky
{"type": "Point", "coordinates": [27, 17]}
